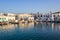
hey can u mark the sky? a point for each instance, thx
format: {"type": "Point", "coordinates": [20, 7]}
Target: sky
{"type": "Point", "coordinates": [29, 6]}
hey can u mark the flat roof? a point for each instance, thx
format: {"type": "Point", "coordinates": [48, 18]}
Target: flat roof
{"type": "Point", "coordinates": [56, 12]}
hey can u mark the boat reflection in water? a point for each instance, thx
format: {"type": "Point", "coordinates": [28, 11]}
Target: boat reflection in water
{"type": "Point", "coordinates": [30, 31]}
{"type": "Point", "coordinates": [7, 27]}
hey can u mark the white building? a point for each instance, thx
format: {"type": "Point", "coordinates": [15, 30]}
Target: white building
{"type": "Point", "coordinates": [25, 17]}
{"type": "Point", "coordinates": [11, 17]}
{"type": "Point", "coordinates": [7, 17]}
{"type": "Point", "coordinates": [56, 16]}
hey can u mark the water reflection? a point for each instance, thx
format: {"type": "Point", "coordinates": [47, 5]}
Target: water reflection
{"type": "Point", "coordinates": [43, 27]}
{"type": "Point", "coordinates": [26, 25]}
{"type": "Point", "coordinates": [47, 27]}
{"type": "Point", "coordinates": [37, 26]}
{"type": "Point", "coordinates": [55, 26]}
{"type": "Point", "coordinates": [30, 30]}
{"type": "Point", "coordinates": [9, 27]}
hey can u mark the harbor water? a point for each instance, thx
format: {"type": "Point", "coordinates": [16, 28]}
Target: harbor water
{"type": "Point", "coordinates": [30, 31]}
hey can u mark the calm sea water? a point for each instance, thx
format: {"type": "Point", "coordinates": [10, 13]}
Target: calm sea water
{"type": "Point", "coordinates": [30, 31]}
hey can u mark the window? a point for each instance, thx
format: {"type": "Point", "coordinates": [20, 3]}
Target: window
{"type": "Point", "coordinates": [53, 15]}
